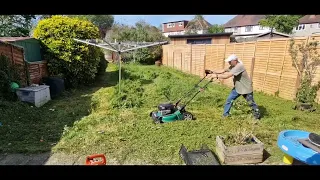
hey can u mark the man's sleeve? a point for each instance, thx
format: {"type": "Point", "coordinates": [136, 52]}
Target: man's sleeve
{"type": "Point", "coordinates": [239, 68]}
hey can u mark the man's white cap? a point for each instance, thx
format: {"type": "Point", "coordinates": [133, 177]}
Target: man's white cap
{"type": "Point", "coordinates": [231, 57]}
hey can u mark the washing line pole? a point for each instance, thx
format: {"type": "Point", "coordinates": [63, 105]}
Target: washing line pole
{"type": "Point", "coordinates": [119, 50]}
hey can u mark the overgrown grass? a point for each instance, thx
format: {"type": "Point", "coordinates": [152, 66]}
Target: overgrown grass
{"type": "Point", "coordinates": [119, 125]}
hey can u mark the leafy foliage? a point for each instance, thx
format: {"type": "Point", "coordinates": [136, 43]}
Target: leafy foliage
{"type": "Point", "coordinates": [216, 29]}
{"type": "Point", "coordinates": [15, 25]}
{"type": "Point", "coordinates": [141, 32]}
{"type": "Point", "coordinates": [306, 66]}
{"type": "Point", "coordinates": [77, 62]}
{"type": "Point", "coordinates": [281, 23]}
{"type": "Point", "coordinates": [8, 73]}
{"type": "Point", "coordinates": [103, 22]}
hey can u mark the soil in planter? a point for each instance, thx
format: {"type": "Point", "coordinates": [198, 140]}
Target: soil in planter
{"type": "Point", "coordinates": [238, 139]}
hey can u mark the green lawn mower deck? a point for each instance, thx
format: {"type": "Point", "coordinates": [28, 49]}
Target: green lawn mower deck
{"type": "Point", "coordinates": [169, 112]}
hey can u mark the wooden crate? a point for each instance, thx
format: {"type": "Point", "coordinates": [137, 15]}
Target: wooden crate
{"type": "Point", "coordinates": [242, 154]}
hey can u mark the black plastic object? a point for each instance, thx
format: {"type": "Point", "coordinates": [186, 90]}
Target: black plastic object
{"type": "Point", "coordinates": [208, 71]}
{"type": "Point", "coordinates": [56, 85]}
{"type": "Point", "coordinates": [204, 156]}
{"type": "Point", "coordinates": [306, 142]}
{"type": "Point", "coordinates": [314, 139]}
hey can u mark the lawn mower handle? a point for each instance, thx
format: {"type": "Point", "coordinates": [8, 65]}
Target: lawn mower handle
{"type": "Point", "coordinates": [196, 85]}
{"type": "Point", "coordinates": [201, 89]}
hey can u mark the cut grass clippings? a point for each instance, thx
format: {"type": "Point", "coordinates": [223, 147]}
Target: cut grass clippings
{"type": "Point", "coordinates": [100, 120]}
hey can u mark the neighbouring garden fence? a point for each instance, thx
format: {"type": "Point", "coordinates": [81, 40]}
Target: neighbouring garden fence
{"type": "Point", "coordinates": [268, 62]}
{"type": "Point", "coordinates": [32, 72]}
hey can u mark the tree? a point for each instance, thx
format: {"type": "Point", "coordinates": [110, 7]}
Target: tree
{"type": "Point", "coordinates": [15, 25]}
{"type": "Point", "coordinates": [75, 61]}
{"type": "Point", "coordinates": [305, 64]}
{"type": "Point", "coordinates": [141, 32]}
{"type": "Point", "coordinates": [281, 23]}
{"type": "Point", "coordinates": [216, 29]}
{"type": "Point", "coordinates": [103, 22]}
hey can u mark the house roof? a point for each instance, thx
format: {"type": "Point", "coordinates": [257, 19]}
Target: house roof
{"type": "Point", "coordinates": [278, 33]}
{"type": "Point", "coordinates": [307, 19]}
{"type": "Point", "coordinates": [244, 20]}
{"type": "Point", "coordinates": [175, 21]}
{"type": "Point", "coordinates": [12, 39]}
{"type": "Point", "coordinates": [199, 35]}
{"type": "Point", "coordinates": [199, 22]}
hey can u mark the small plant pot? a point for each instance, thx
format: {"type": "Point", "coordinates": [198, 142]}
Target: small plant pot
{"type": "Point", "coordinates": [158, 63]}
{"type": "Point", "coordinates": [305, 107]}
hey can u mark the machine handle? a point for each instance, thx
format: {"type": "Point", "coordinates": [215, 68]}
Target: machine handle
{"type": "Point", "coordinates": [91, 160]}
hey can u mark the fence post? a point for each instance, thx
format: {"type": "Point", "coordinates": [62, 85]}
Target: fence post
{"type": "Point", "coordinates": [252, 68]}
{"type": "Point", "coordinates": [173, 57]}
{"type": "Point", "coordinates": [190, 58]}
{"type": "Point", "coordinates": [253, 60]}
{"type": "Point", "coordinates": [204, 59]}
{"type": "Point", "coordinates": [265, 75]}
{"type": "Point", "coordinates": [181, 63]}
{"type": "Point", "coordinates": [167, 57]}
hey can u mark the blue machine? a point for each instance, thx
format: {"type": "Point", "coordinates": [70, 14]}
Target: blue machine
{"type": "Point", "coordinates": [288, 142]}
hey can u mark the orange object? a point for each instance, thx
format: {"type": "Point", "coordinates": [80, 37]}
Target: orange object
{"type": "Point", "coordinates": [96, 159]}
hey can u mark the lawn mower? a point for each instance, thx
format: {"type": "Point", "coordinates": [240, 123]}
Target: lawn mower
{"type": "Point", "coordinates": [169, 112]}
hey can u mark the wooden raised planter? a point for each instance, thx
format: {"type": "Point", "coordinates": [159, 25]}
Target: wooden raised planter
{"type": "Point", "coordinates": [242, 154]}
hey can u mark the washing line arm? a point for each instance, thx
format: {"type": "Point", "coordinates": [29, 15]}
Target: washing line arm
{"type": "Point", "coordinates": [145, 46]}
{"type": "Point", "coordinates": [114, 50]}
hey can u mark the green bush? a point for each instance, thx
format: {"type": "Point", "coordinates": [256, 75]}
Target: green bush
{"type": "Point", "coordinates": [77, 62]}
{"type": "Point", "coordinates": [8, 73]}
{"type": "Point", "coordinates": [103, 64]}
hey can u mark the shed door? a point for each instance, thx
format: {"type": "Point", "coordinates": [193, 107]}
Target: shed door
{"type": "Point", "coordinates": [199, 41]}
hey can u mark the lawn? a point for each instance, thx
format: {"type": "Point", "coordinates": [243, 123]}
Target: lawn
{"type": "Point", "coordinates": [99, 120]}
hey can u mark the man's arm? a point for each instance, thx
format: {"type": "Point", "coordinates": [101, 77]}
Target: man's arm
{"type": "Point", "coordinates": [225, 75]}
{"type": "Point", "coordinates": [220, 71]}
{"type": "Point", "coordinates": [233, 72]}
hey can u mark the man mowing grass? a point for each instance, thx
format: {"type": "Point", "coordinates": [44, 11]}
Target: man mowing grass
{"type": "Point", "coordinates": [242, 85]}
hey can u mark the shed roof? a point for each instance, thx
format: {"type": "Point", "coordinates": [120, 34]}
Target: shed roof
{"type": "Point", "coordinates": [13, 39]}
{"type": "Point", "coordinates": [200, 35]}
{"type": "Point", "coordinates": [278, 33]}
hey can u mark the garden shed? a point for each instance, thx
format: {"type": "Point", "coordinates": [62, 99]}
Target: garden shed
{"type": "Point", "coordinates": [36, 66]}
{"type": "Point", "coordinates": [32, 47]}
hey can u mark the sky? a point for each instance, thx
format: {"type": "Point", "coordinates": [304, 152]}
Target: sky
{"type": "Point", "coordinates": [156, 20]}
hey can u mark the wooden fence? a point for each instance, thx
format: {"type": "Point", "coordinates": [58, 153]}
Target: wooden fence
{"type": "Point", "coordinates": [268, 62]}
{"type": "Point", "coordinates": [30, 72]}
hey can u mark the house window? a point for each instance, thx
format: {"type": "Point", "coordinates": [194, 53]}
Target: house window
{"type": "Point", "coordinates": [235, 29]}
{"type": "Point", "coordinates": [300, 27]}
{"type": "Point", "coordinates": [248, 28]}
{"type": "Point", "coordinates": [180, 23]}
{"type": "Point", "coordinates": [170, 25]}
